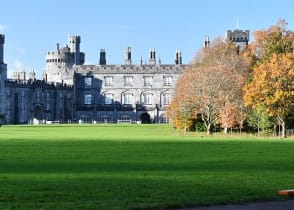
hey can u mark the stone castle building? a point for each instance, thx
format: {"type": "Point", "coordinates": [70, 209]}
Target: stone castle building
{"type": "Point", "coordinates": [72, 91]}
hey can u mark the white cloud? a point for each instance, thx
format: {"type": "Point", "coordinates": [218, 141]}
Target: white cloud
{"type": "Point", "coordinates": [2, 28]}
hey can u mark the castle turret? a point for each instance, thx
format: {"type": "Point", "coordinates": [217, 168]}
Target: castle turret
{"type": "Point", "coordinates": [59, 62]}
{"type": "Point", "coordinates": [22, 74]}
{"type": "Point", "coordinates": [128, 58]}
{"type": "Point", "coordinates": [241, 38]}
{"type": "Point", "coordinates": [3, 66]}
{"type": "Point", "coordinates": [2, 38]}
{"type": "Point", "coordinates": [102, 60]}
{"type": "Point", "coordinates": [32, 75]}
{"type": "Point", "coordinates": [74, 42]}
{"type": "Point", "coordinates": [206, 44]}
{"type": "Point", "coordinates": [152, 60]}
{"type": "Point", "coordinates": [178, 59]}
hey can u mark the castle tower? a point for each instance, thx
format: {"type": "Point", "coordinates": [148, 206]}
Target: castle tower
{"type": "Point", "coordinates": [241, 38]}
{"type": "Point", "coordinates": [3, 66]}
{"type": "Point", "coordinates": [178, 59]}
{"type": "Point", "coordinates": [3, 76]}
{"type": "Point", "coordinates": [206, 42]}
{"type": "Point", "coordinates": [128, 57]}
{"type": "Point", "coordinates": [74, 42]}
{"type": "Point", "coordinates": [152, 60]}
{"type": "Point", "coordinates": [2, 38]}
{"type": "Point", "coordinates": [102, 60]}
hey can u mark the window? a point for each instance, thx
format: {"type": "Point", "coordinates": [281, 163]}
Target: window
{"type": "Point", "coordinates": [128, 80]}
{"type": "Point", "coordinates": [124, 117]}
{"type": "Point", "coordinates": [88, 81]}
{"type": "Point", "coordinates": [127, 97]}
{"type": "Point", "coordinates": [108, 98]}
{"type": "Point", "coordinates": [108, 81]}
{"type": "Point", "coordinates": [105, 118]}
{"type": "Point", "coordinates": [166, 98]}
{"type": "Point", "coordinates": [168, 80]}
{"type": "Point", "coordinates": [147, 98]}
{"type": "Point", "coordinates": [88, 99]}
{"type": "Point", "coordinates": [147, 80]}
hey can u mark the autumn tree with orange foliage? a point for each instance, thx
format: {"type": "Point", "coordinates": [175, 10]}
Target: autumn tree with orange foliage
{"type": "Point", "coordinates": [227, 116]}
{"type": "Point", "coordinates": [272, 85]}
{"type": "Point", "coordinates": [214, 79]}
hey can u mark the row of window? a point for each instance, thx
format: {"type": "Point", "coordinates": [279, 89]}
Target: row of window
{"type": "Point", "coordinates": [128, 81]}
{"type": "Point", "coordinates": [124, 117]}
{"type": "Point", "coordinates": [128, 98]}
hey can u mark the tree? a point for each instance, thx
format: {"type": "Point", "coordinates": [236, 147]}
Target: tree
{"type": "Point", "coordinates": [214, 78]}
{"type": "Point", "coordinates": [260, 121]}
{"type": "Point", "coordinates": [272, 87]}
{"type": "Point", "coordinates": [272, 81]}
{"type": "Point", "coordinates": [275, 40]}
{"type": "Point", "coordinates": [227, 116]}
{"type": "Point", "coordinates": [209, 90]}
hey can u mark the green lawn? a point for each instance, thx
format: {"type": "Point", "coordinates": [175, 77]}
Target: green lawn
{"type": "Point", "coordinates": [136, 167]}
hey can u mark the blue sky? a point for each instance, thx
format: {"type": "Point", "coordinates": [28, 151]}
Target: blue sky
{"type": "Point", "coordinates": [34, 27]}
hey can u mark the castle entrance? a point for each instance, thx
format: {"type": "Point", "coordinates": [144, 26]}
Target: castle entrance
{"type": "Point", "coordinates": [145, 118]}
{"type": "Point", "coordinates": [38, 112]}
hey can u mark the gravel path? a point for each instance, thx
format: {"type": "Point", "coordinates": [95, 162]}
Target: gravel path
{"type": "Point", "coordinates": [274, 205]}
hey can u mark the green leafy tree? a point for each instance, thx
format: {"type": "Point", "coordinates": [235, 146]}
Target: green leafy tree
{"type": "Point", "coordinates": [260, 121]}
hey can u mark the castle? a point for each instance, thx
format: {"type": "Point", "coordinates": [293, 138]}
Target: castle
{"type": "Point", "coordinates": [72, 91]}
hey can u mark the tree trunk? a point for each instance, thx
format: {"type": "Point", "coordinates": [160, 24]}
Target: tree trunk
{"type": "Point", "coordinates": [208, 129]}
{"type": "Point", "coordinates": [283, 129]}
{"type": "Point", "coordinates": [225, 130]}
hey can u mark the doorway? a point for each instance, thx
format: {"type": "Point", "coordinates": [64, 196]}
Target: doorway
{"type": "Point", "coordinates": [145, 118]}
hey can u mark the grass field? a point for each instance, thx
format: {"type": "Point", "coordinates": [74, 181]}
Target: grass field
{"type": "Point", "coordinates": [136, 167]}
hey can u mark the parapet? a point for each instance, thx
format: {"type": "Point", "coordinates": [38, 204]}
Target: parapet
{"type": "Point", "coordinates": [238, 35]}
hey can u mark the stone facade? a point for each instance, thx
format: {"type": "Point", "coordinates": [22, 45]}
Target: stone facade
{"type": "Point", "coordinates": [124, 92]}
{"type": "Point", "coordinates": [72, 91]}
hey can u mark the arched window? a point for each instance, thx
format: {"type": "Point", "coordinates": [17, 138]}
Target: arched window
{"type": "Point", "coordinates": [127, 98]}
{"type": "Point", "coordinates": [147, 98]}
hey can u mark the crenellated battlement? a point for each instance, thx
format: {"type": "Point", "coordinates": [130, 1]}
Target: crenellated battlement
{"type": "Point", "coordinates": [238, 35]}
{"type": "Point", "coordinates": [130, 69]}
